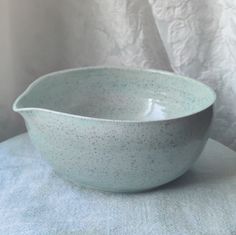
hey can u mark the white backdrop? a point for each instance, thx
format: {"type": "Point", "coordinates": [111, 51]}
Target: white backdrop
{"type": "Point", "coordinates": [196, 38]}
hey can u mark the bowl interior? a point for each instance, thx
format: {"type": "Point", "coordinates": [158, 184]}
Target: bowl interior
{"type": "Point", "coordinates": [118, 94]}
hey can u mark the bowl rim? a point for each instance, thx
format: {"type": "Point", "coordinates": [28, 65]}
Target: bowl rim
{"type": "Point", "coordinates": [146, 70]}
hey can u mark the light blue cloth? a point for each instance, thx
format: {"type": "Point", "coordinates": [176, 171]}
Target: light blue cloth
{"type": "Point", "coordinates": [33, 200]}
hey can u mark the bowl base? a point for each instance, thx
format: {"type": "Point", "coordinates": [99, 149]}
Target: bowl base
{"type": "Point", "coordinates": [109, 190]}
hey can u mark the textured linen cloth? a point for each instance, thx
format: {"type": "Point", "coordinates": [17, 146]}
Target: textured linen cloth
{"type": "Point", "coordinates": [34, 200]}
{"type": "Point", "coordinates": [196, 38]}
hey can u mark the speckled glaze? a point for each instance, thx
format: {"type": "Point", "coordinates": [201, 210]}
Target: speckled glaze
{"type": "Point", "coordinates": [114, 129]}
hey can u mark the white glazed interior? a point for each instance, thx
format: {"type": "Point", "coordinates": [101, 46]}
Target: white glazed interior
{"type": "Point", "coordinates": [117, 94]}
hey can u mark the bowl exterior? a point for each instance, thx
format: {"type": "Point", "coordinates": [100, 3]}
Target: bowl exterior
{"type": "Point", "coordinates": [118, 156]}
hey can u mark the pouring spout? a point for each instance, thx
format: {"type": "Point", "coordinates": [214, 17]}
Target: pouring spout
{"type": "Point", "coordinates": [19, 104]}
{"type": "Point", "coordinates": [26, 101]}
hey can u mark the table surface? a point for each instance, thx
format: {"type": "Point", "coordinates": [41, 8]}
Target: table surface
{"type": "Point", "coordinates": [34, 200]}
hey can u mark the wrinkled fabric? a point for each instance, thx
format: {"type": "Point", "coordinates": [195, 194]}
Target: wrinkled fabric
{"type": "Point", "coordinates": [35, 201]}
{"type": "Point", "coordinates": [192, 38]}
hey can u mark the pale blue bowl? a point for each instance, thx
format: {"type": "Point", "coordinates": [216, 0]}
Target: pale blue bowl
{"type": "Point", "coordinates": [114, 129]}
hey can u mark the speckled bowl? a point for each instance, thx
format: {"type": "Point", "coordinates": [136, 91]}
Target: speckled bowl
{"type": "Point", "coordinates": [114, 129]}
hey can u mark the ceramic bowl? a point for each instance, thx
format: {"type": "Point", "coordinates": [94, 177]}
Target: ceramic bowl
{"type": "Point", "coordinates": [117, 129]}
